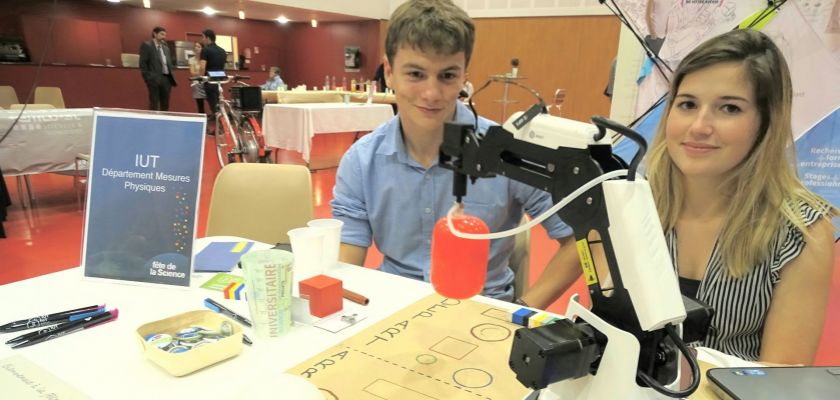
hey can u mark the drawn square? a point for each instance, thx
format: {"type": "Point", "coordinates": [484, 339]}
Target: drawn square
{"type": "Point", "coordinates": [454, 348]}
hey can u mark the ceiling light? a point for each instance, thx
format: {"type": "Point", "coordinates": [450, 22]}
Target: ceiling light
{"type": "Point", "coordinates": [241, 14]}
{"type": "Point", "coordinates": [147, 3]}
{"type": "Point", "coordinates": [282, 19]}
{"type": "Point", "coordinates": [114, 1]}
{"type": "Point", "coordinates": [208, 10]}
{"type": "Point", "coordinates": [314, 23]}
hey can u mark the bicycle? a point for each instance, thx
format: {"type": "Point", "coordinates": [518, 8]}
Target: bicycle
{"type": "Point", "coordinates": [238, 134]}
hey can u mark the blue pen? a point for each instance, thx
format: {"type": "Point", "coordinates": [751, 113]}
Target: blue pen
{"type": "Point", "coordinates": [44, 320]}
{"type": "Point", "coordinates": [213, 305]}
{"type": "Point", "coordinates": [48, 329]}
{"type": "Point", "coordinates": [70, 327]}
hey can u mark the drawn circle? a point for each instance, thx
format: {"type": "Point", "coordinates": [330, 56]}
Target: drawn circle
{"type": "Point", "coordinates": [472, 378]}
{"type": "Point", "coordinates": [426, 359]}
{"type": "Point", "coordinates": [328, 395]}
{"type": "Point", "coordinates": [490, 332]}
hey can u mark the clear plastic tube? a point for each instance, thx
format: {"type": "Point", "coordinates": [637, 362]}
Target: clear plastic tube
{"type": "Point", "coordinates": [551, 211]}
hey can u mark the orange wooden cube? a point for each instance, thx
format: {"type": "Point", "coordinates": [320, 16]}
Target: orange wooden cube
{"type": "Point", "coordinates": [324, 294]}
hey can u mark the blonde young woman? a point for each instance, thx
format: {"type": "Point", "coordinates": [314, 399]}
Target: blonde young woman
{"type": "Point", "coordinates": [745, 235]}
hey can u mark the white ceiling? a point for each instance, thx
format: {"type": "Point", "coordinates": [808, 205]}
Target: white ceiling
{"type": "Point", "coordinates": [295, 11]}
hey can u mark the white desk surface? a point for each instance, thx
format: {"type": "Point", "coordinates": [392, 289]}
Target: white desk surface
{"type": "Point", "coordinates": [44, 140]}
{"type": "Point", "coordinates": [292, 126]}
{"type": "Point", "coordinates": [107, 362]}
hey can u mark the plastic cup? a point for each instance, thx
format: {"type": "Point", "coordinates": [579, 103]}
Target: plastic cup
{"type": "Point", "coordinates": [332, 240]}
{"type": "Point", "coordinates": [307, 246]}
{"type": "Point", "coordinates": [268, 283]}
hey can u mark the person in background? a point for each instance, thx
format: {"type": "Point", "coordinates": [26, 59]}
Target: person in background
{"type": "Point", "coordinates": [379, 78]}
{"type": "Point", "coordinates": [274, 81]}
{"type": "Point", "coordinates": [212, 59]}
{"type": "Point", "coordinates": [195, 70]}
{"type": "Point", "coordinates": [428, 47]}
{"type": "Point", "coordinates": [157, 68]}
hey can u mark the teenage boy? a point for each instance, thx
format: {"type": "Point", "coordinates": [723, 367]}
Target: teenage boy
{"type": "Point", "coordinates": [389, 187]}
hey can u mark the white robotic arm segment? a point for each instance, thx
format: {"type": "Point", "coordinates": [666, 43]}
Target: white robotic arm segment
{"type": "Point", "coordinates": [642, 254]}
{"type": "Point", "coordinates": [555, 132]}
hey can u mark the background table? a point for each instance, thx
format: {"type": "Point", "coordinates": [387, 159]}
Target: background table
{"type": "Point", "coordinates": [292, 126]}
{"type": "Point", "coordinates": [44, 140]}
{"type": "Point", "coordinates": [323, 96]}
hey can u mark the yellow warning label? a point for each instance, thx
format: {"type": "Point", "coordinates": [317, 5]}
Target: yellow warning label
{"type": "Point", "coordinates": [586, 262]}
{"type": "Point", "coordinates": [239, 247]}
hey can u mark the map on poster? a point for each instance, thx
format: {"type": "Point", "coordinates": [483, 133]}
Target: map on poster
{"type": "Point", "coordinates": [807, 33]}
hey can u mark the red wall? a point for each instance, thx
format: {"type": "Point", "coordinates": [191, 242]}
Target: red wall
{"type": "Point", "coordinates": [84, 86]}
{"type": "Point", "coordinates": [136, 24]}
{"type": "Point", "coordinates": [304, 54]}
{"type": "Point", "coordinates": [317, 52]}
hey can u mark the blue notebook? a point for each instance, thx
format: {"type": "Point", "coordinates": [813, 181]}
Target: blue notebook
{"type": "Point", "coordinates": [220, 256]}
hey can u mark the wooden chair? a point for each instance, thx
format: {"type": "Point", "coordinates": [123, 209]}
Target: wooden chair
{"type": "Point", "coordinates": [80, 177]}
{"type": "Point", "coordinates": [8, 96]}
{"type": "Point", "coordinates": [520, 261]}
{"type": "Point", "coordinates": [32, 106]}
{"type": "Point", "coordinates": [49, 95]}
{"type": "Point", "coordinates": [260, 201]}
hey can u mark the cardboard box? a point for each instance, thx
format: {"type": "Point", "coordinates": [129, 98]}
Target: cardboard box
{"type": "Point", "coordinates": [179, 364]}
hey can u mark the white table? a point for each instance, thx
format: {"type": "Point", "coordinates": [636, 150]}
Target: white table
{"type": "Point", "coordinates": [292, 126]}
{"type": "Point", "coordinates": [107, 362]}
{"type": "Point", "coordinates": [44, 140]}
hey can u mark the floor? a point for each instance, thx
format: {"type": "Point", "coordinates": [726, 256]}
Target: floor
{"type": "Point", "coordinates": [48, 237]}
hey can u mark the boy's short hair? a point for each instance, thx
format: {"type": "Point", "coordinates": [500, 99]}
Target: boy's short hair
{"type": "Point", "coordinates": [209, 34]}
{"type": "Point", "coordinates": [437, 25]}
{"type": "Point", "coordinates": [158, 29]}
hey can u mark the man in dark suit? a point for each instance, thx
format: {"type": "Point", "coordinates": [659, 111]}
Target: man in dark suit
{"type": "Point", "coordinates": [158, 69]}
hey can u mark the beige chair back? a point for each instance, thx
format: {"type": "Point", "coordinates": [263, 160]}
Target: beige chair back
{"type": "Point", "coordinates": [520, 261]}
{"type": "Point", "coordinates": [260, 201]}
{"type": "Point", "coordinates": [130, 60]}
{"type": "Point", "coordinates": [32, 106]}
{"type": "Point", "coordinates": [8, 96]}
{"type": "Point", "coordinates": [49, 95]}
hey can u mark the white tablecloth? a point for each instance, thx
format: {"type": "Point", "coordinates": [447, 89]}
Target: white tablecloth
{"type": "Point", "coordinates": [44, 140]}
{"type": "Point", "coordinates": [107, 362]}
{"type": "Point", "coordinates": [292, 126]}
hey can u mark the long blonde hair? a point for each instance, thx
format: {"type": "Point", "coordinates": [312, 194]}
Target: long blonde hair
{"type": "Point", "coordinates": [764, 191]}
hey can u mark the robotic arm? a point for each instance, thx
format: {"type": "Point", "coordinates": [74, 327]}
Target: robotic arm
{"type": "Point", "coordinates": [627, 345]}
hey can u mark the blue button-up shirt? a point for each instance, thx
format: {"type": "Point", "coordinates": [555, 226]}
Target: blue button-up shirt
{"type": "Point", "coordinates": [385, 196]}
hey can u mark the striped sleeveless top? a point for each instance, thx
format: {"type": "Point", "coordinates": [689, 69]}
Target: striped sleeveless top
{"type": "Point", "coordinates": [741, 304]}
